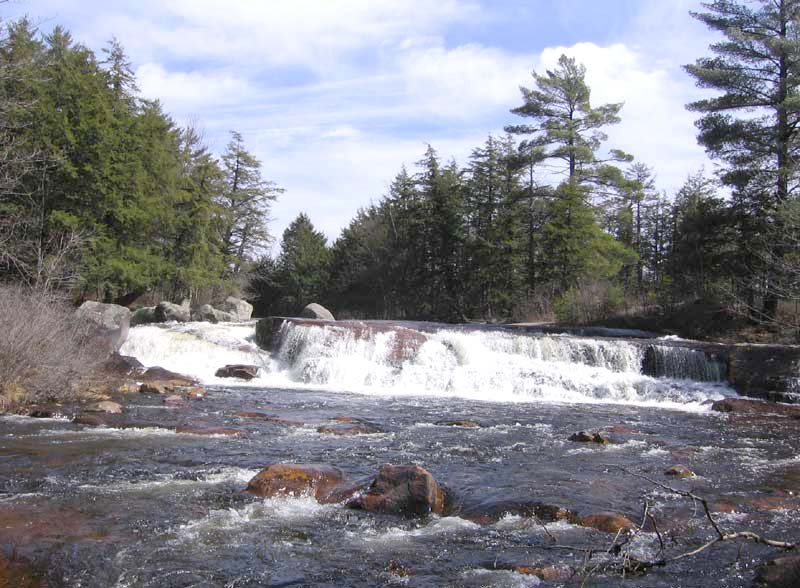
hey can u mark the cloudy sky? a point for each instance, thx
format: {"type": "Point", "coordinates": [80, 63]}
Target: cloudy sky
{"type": "Point", "coordinates": [333, 96]}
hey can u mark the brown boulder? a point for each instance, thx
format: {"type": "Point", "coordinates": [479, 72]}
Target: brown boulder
{"type": "Point", "coordinates": [325, 483]}
{"type": "Point", "coordinates": [776, 501]}
{"type": "Point", "coordinates": [747, 406]}
{"type": "Point", "coordinates": [608, 522]}
{"type": "Point", "coordinates": [679, 471]}
{"type": "Point", "coordinates": [160, 374]}
{"type": "Point", "coordinates": [407, 490]}
{"type": "Point", "coordinates": [241, 371]}
{"type": "Point", "coordinates": [589, 437]}
{"type": "Point", "coordinates": [781, 572]}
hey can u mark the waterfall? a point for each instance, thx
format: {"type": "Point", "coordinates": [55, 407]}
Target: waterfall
{"type": "Point", "coordinates": [408, 359]}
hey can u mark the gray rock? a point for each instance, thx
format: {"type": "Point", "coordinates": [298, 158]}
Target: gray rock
{"type": "Point", "coordinates": [167, 311]}
{"type": "Point", "coordinates": [209, 314]}
{"type": "Point", "coordinates": [111, 320]}
{"type": "Point", "coordinates": [240, 309]}
{"type": "Point", "coordinates": [144, 316]}
{"type": "Point", "coordinates": [317, 311]}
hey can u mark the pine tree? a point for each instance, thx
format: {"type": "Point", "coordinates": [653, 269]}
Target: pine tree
{"type": "Point", "coordinates": [752, 125]}
{"type": "Point", "coordinates": [245, 203]}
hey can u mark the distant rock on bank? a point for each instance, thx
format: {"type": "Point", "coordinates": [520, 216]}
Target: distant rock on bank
{"type": "Point", "coordinates": [112, 322]}
{"type": "Point", "coordinates": [317, 311]}
{"type": "Point", "coordinates": [230, 311]}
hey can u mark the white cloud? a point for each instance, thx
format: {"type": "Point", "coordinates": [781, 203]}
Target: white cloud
{"type": "Point", "coordinates": [192, 91]}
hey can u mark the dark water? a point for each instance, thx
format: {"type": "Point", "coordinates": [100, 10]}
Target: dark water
{"type": "Point", "coordinates": [151, 508]}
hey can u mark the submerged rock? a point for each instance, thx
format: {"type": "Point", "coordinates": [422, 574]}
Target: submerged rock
{"type": "Point", "coordinates": [241, 371]}
{"type": "Point", "coordinates": [458, 423]}
{"type": "Point", "coordinates": [17, 573]}
{"type": "Point", "coordinates": [225, 431]}
{"type": "Point", "coordinates": [608, 522]}
{"type": "Point", "coordinates": [781, 572]}
{"type": "Point", "coordinates": [747, 406]}
{"type": "Point", "coordinates": [271, 418]}
{"type": "Point", "coordinates": [488, 513]}
{"type": "Point", "coordinates": [317, 311]}
{"type": "Point", "coordinates": [546, 573]}
{"type": "Point", "coordinates": [325, 483]}
{"type": "Point", "coordinates": [589, 437]}
{"type": "Point", "coordinates": [679, 471]}
{"type": "Point", "coordinates": [159, 373]}
{"type": "Point", "coordinates": [407, 490]}
{"type": "Point", "coordinates": [350, 428]}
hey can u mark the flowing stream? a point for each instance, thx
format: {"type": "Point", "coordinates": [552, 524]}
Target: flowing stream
{"type": "Point", "coordinates": [148, 507]}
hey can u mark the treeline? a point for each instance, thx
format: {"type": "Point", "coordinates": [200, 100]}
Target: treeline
{"type": "Point", "coordinates": [102, 194]}
{"type": "Point", "coordinates": [542, 221]}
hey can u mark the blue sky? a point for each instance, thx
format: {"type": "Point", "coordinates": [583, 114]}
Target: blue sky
{"type": "Point", "coordinates": [335, 95]}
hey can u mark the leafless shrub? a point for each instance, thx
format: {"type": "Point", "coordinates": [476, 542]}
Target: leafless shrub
{"type": "Point", "coordinates": [44, 348]}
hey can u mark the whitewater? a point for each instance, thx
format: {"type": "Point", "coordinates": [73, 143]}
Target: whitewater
{"type": "Point", "coordinates": [489, 365]}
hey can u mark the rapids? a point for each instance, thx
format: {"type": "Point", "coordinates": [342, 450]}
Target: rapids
{"type": "Point", "coordinates": [146, 507]}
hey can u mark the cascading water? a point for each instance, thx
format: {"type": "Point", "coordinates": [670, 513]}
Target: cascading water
{"type": "Point", "coordinates": [478, 364]}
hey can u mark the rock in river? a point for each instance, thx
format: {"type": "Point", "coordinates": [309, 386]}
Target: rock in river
{"type": "Point", "coordinates": [407, 490]}
{"type": "Point", "coordinates": [589, 437]}
{"type": "Point", "coordinates": [105, 406]}
{"type": "Point", "coordinates": [317, 311]}
{"type": "Point", "coordinates": [325, 483]}
{"type": "Point", "coordinates": [608, 522]}
{"type": "Point", "coordinates": [241, 371]}
{"type": "Point", "coordinates": [781, 572]}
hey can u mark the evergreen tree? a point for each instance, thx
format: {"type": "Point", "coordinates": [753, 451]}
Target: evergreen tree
{"type": "Point", "coordinates": [301, 271]}
{"type": "Point", "coordinates": [566, 125]}
{"type": "Point", "coordinates": [752, 125]}
{"type": "Point", "coordinates": [244, 205]}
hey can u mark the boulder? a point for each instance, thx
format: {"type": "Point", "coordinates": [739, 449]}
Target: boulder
{"type": "Point", "coordinates": [209, 314]}
{"type": "Point", "coordinates": [239, 309]}
{"type": "Point", "coordinates": [589, 437]}
{"type": "Point", "coordinates": [111, 321]}
{"type": "Point", "coordinates": [105, 406]}
{"type": "Point", "coordinates": [144, 316]}
{"type": "Point", "coordinates": [407, 490]}
{"type": "Point", "coordinates": [546, 573]}
{"type": "Point", "coordinates": [325, 483]}
{"type": "Point", "coordinates": [160, 374]}
{"type": "Point", "coordinates": [241, 371]}
{"type": "Point", "coordinates": [608, 522]}
{"type": "Point", "coordinates": [317, 311]}
{"type": "Point", "coordinates": [781, 572]}
{"type": "Point", "coordinates": [747, 406]}
{"type": "Point", "coordinates": [167, 311]}
{"type": "Point", "coordinates": [679, 471]}
{"type": "Point", "coordinates": [491, 512]}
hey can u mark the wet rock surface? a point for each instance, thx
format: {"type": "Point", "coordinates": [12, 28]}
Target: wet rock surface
{"type": "Point", "coordinates": [749, 406]}
{"type": "Point", "coordinates": [589, 437]}
{"type": "Point", "coordinates": [781, 572]}
{"type": "Point", "coordinates": [407, 490]}
{"type": "Point", "coordinates": [325, 483]}
{"type": "Point", "coordinates": [240, 371]}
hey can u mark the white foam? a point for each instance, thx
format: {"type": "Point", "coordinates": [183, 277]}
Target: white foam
{"type": "Point", "coordinates": [478, 365]}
